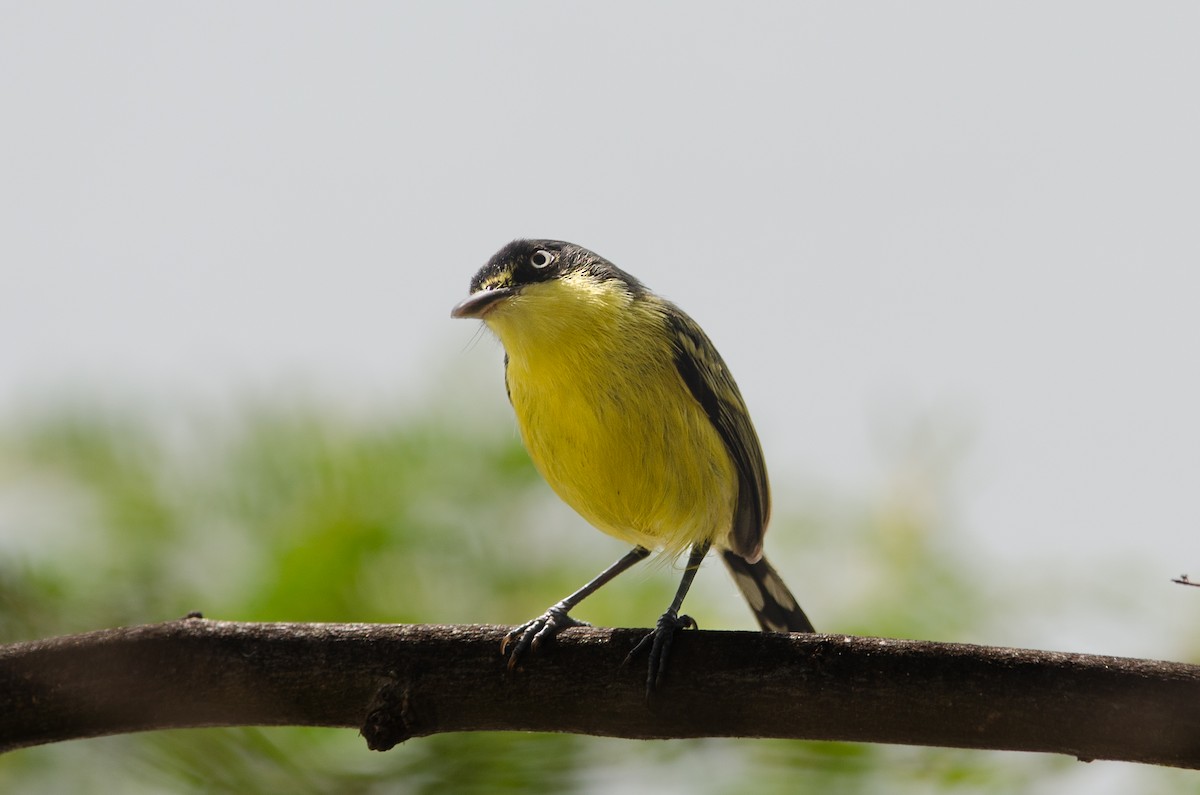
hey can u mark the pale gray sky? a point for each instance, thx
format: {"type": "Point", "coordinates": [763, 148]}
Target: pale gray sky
{"type": "Point", "coordinates": [987, 213]}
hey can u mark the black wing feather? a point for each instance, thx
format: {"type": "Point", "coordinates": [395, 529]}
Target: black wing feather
{"type": "Point", "coordinates": [708, 379]}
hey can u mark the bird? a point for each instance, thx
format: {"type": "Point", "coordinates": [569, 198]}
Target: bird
{"type": "Point", "coordinates": [633, 418]}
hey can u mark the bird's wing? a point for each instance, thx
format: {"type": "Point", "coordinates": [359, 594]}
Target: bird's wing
{"type": "Point", "coordinates": [705, 373]}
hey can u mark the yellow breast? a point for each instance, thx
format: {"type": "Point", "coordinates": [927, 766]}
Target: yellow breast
{"type": "Point", "coordinates": [608, 420]}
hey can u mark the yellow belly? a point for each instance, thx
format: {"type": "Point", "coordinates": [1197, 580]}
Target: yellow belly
{"type": "Point", "coordinates": [612, 427]}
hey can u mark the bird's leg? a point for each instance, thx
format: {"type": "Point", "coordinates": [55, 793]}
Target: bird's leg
{"type": "Point", "coordinates": [534, 633]}
{"type": "Point", "coordinates": [659, 641]}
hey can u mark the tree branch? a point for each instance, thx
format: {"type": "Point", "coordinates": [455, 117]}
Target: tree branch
{"type": "Point", "coordinates": [396, 682]}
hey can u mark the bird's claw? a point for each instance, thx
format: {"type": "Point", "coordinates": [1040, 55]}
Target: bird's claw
{"type": "Point", "coordinates": [659, 643]}
{"type": "Point", "coordinates": [532, 634]}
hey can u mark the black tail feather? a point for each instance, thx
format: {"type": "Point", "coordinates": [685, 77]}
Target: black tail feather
{"type": "Point", "coordinates": [773, 604]}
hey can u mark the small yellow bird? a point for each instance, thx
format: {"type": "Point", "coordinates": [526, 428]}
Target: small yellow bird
{"type": "Point", "coordinates": [632, 417]}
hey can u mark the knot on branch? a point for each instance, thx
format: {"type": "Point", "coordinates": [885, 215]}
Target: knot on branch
{"type": "Point", "coordinates": [390, 718]}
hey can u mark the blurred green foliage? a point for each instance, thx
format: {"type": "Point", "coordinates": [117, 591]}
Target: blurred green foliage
{"type": "Point", "coordinates": [288, 514]}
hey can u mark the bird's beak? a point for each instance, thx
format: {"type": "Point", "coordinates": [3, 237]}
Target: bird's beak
{"type": "Point", "coordinates": [479, 304]}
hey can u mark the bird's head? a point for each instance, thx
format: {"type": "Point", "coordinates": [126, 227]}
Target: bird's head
{"type": "Point", "coordinates": [537, 290]}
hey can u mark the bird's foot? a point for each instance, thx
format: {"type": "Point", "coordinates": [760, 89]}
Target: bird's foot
{"type": "Point", "coordinates": [658, 643]}
{"type": "Point", "coordinates": [532, 634]}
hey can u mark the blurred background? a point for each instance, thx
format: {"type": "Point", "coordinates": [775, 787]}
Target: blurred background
{"type": "Point", "coordinates": [949, 251]}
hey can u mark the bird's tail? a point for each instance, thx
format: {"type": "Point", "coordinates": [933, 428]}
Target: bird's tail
{"type": "Point", "coordinates": [773, 604]}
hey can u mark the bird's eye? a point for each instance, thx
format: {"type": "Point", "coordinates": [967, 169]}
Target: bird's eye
{"type": "Point", "coordinates": [541, 258]}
